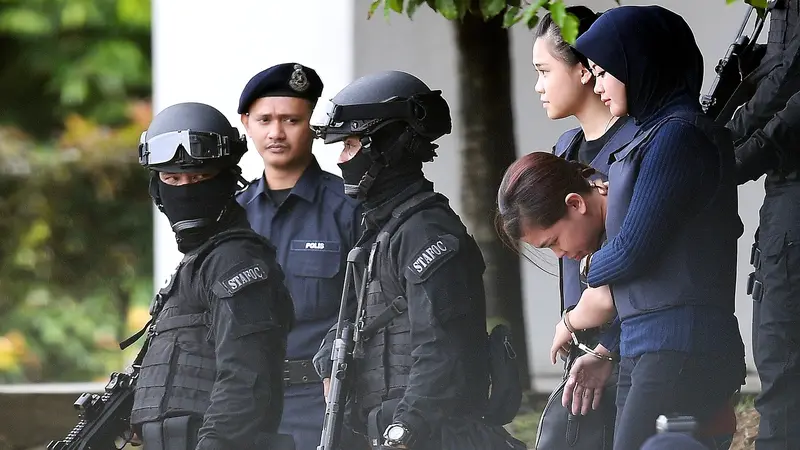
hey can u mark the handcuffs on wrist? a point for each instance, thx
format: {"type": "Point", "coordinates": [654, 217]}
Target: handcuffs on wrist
{"type": "Point", "coordinates": [583, 347]}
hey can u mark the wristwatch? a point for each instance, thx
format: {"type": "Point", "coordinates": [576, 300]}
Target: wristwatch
{"type": "Point", "coordinates": [397, 434]}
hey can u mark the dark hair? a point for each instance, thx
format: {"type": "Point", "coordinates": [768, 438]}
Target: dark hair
{"type": "Point", "coordinates": [533, 190]}
{"type": "Point", "coordinates": [548, 29]}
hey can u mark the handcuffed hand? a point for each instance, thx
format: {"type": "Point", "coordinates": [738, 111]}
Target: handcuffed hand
{"type": "Point", "coordinates": [584, 388]}
{"type": "Point", "coordinates": [562, 341]}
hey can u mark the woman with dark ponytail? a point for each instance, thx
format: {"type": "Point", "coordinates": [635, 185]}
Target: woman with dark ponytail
{"type": "Point", "coordinates": [662, 238]}
{"type": "Point", "coordinates": [566, 88]}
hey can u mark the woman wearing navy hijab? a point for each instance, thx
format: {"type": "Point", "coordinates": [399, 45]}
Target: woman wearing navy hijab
{"type": "Point", "coordinates": [671, 226]}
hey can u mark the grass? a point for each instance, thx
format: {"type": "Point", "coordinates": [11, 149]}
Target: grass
{"type": "Point", "coordinates": [526, 423]}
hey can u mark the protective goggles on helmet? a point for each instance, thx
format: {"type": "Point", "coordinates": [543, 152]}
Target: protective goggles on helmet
{"type": "Point", "coordinates": [362, 119]}
{"type": "Point", "coordinates": [197, 145]}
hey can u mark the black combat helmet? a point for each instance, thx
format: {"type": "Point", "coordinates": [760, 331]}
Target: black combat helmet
{"type": "Point", "coordinates": [396, 116]}
{"type": "Point", "coordinates": [371, 102]}
{"type": "Point", "coordinates": [191, 137]}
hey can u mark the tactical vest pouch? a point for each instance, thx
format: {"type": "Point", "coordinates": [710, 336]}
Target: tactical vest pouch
{"type": "Point", "coordinates": [506, 392]}
{"type": "Point", "coordinates": [174, 433]}
{"type": "Point", "coordinates": [559, 429]}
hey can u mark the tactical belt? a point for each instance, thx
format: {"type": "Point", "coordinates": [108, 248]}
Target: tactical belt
{"type": "Point", "coordinates": [299, 371]}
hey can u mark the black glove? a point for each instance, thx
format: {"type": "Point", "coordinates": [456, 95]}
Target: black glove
{"type": "Point", "coordinates": [755, 157]}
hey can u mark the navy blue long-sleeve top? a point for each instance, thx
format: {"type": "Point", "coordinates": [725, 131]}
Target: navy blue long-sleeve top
{"type": "Point", "coordinates": [678, 176]}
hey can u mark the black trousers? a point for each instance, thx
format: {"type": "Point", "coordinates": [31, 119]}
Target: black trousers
{"type": "Point", "coordinates": [670, 383]}
{"type": "Point", "coordinates": [776, 317]}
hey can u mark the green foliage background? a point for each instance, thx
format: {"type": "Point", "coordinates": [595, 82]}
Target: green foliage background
{"type": "Point", "coordinates": [75, 218]}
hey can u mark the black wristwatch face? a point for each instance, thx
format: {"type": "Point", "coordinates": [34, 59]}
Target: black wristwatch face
{"type": "Point", "coordinates": [397, 434]}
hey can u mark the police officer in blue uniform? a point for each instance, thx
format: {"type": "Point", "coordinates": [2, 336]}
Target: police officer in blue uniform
{"type": "Point", "coordinates": [303, 210]}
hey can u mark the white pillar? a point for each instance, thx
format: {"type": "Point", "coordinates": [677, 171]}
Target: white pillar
{"type": "Point", "coordinates": [206, 51]}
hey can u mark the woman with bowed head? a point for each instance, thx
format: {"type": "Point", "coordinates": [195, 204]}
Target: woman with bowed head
{"type": "Point", "coordinates": [566, 89]}
{"type": "Point", "coordinates": [661, 238]}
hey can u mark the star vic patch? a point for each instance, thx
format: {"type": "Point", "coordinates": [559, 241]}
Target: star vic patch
{"type": "Point", "coordinates": [432, 255]}
{"type": "Point", "coordinates": [237, 279]}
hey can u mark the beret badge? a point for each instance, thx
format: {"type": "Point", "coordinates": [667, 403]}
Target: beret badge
{"type": "Point", "coordinates": [298, 81]}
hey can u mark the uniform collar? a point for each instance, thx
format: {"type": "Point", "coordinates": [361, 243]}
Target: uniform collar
{"type": "Point", "coordinates": [306, 187]}
{"type": "Point", "coordinates": [376, 216]}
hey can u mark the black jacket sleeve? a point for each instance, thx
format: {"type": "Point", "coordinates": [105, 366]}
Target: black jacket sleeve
{"type": "Point", "coordinates": [759, 140]}
{"type": "Point", "coordinates": [773, 146]}
{"type": "Point", "coordinates": [246, 400]}
{"type": "Point", "coordinates": [443, 286]}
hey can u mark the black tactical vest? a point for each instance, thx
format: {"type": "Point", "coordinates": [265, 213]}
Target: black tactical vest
{"type": "Point", "coordinates": [698, 267]}
{"type": "Point", "coordinates": [783, 20]}
{"type": "Point", "coordinates": [383, 371]}
{"type": "Point", "coordinates": [179, 368]}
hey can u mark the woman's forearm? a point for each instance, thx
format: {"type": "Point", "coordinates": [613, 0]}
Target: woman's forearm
{"type": "Point", "coordinates": [595, 308]}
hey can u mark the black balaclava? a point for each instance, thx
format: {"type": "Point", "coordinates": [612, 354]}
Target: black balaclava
{"type": "Point", "coordinates": [195, 210]}
{"type": "Point", "coordinates": [403, 169]}
{"type": "Point", "coordinates": [653, 51]}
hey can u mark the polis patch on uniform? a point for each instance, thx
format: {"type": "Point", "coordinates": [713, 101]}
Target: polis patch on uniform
{"type": "Point", "coordinates": [432, 255]}
{"type": "Point", "coordinates": [315, 245]}
{"type": "Point", "coordinates": [235, 281]}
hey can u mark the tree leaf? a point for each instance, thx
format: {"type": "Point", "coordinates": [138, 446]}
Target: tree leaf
{"type": "Point", "coordinates": [511, 17]}
{"type": "Point", "coordinates": [412, 6]}
{"type": "Point", "coordinates": [491, 8]}
{"type": "Point", "coordinates": [396, 5]}
{"type": "Point", "coordinates": [558, 11]}
{"type": "Point", "coordinates": [569, 31]}
{"type": "Point", "coordinates": [447, 8]}
{"type": "Point", "coordinates": [387, 11]}
{"type": "Point", "coordinates": [756, 3]}
{"type": "Point", "coordinates": [463, 7]}
{"type": "Point", "coordinates": [372, 8]}
{"type": "Point", "coordinates": [532, 22]}
{"type": "Point", "coordinates": [529, 17]}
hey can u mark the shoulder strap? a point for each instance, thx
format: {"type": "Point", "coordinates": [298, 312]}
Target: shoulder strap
{"type": "Point", "coordinates": [399, 215]}
{"type": "Point", "coordinates": [403, 211]}
{"type": "Point", "coordinates": [623, 135]}
{"type": "Point", "coordinates": [638, 140]}
{"type": "Point", "coordinates": [189, 258]}
{"type": "Point", "coordinates": [566, 141]}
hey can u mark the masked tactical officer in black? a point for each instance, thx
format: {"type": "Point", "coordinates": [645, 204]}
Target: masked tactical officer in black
{"type": "Point", "coordinates": [212, 376]}
{"type": "Point", "coordinates": [766, 131]}
{"type": "Point", "coordinates": [422, 382]}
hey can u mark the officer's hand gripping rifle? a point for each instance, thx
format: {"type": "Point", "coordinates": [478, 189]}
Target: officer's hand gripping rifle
{"type": "Point", "coordinates": [105, 420]}
{"type": "Point", "coordinates": [345, 346]}
{"type": "Point", "coordinates": [742, 57]}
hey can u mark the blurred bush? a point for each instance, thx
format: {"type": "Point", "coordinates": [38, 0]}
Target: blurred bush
{"type": "Point", "coordinates": [76, 220]}
{"type": "Point", "coordinates": [76, 252]}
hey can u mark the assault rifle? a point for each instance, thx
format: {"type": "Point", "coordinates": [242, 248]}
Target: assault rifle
{"type": "Point", "coordinates": [346, 347]}
{"type": "Point", "coordinates": [104, 419]}
{"type": "Point", "coordinates": [742, 57]}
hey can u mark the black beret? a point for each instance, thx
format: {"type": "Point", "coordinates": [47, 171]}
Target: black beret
{"type": "Point", "coordinates": [283, 80]}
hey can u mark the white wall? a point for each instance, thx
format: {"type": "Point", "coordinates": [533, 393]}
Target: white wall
{"type": "Point", "coordinates": [211, 57]}
{"type": "Point", "coordinates": [335, 38]}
